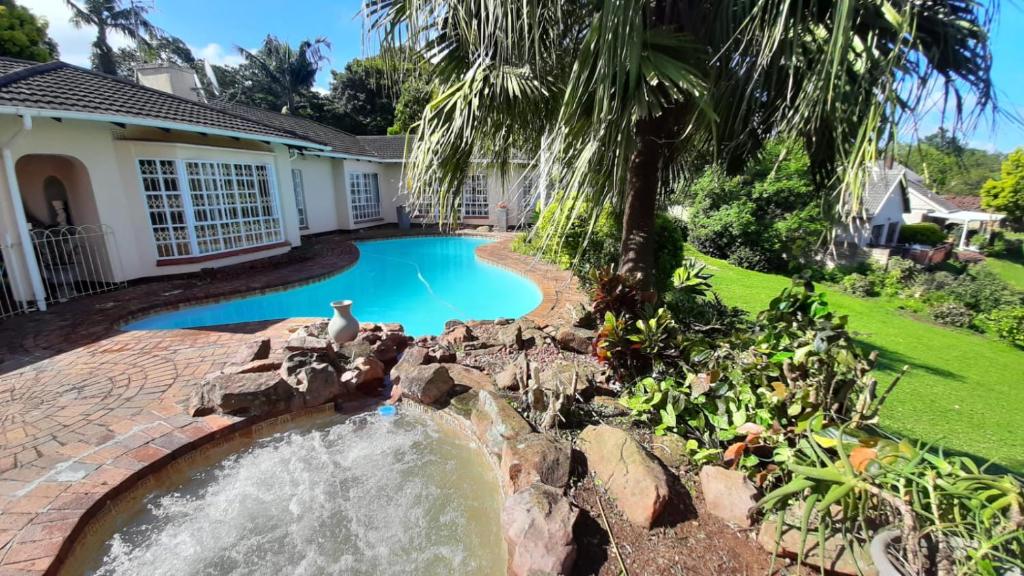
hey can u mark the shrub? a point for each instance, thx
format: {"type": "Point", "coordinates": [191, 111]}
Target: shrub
{"type": "Point", "coordinates": [899, 275]}
{"type": "Point", "coordinates": [933, 282]}
{"type": "Point", "coordinates": [670, 242]}
{"type": "Point", "coordinates": [924, 233]}
{"type": "Point", "coordinates": [982, 290]}
{"type": "Point", "coordinates": [1006, 324]}
{"type": "Point", "coordinates": [953, 314]}
{"type": "Point", "coordinates": [859, 285]}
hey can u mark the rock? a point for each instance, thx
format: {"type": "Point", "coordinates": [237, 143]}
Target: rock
{"type": "Point", "coordinates": [393, 327]}
{"type": "Point", "coordinates": [728, 494]}
{"type": "Point", "coordinates": [457, 335]}
{"type": "Point", "coordinates": [462, 405]}
{"type": "Point", "coordinates": [397, 338]}
{"type": "Point", "coordinates": [508, 378]}
{"type": "Point", "coordinates": [349, 351]}
{"type": "Point", "coordinates": [511, 337]}
{"type": "Point", "coordinates": [583, 316]}
{"type": "Point", "coordinates": [370, 327]}
{"type": "Point", "coordinates": [838, 559]}
{"type": "Point", "coordinates": [265, 365]}
{"type": "Point", "coordinates": [566, 377]}
{"type": "Point", "coordinates": [319, 345]}
{"type": "Point", "coordinates": [385, 351]}
{"type": "Point", "coordinates": [496, 422]}
{"type": "Point", "coordinates": [610, 406]}
{"type": "Point", "coordinates": [502, 321]}
{"type": "Point", "coordinates": [412, 357]}
{"type": "Point", "coordinates": [476, 345]}
{"type": "Point", "coordinates": [631, 475]}
{"type": "Point", "coordinates": [318, 384]}
{"type": "Point", "coordinates": [440, 355]}
{"type": "Point", "coordinates": [534, 337]}
{"type": "Point", "coordinates": [573, 339]}
{"type": "Point", "coordinates": [483, 228]}
{"type": "Point", "coordinates": [371, 337]}
{"type": "Point", "coordinates": [253, 351]}
{"type": "Point", "coordinates": [369, 374]}
{"type": "Point", "coordinates": [534, 458]}
{"type": "Point", "coordinates": [470, 377]}
{"type": "Point", "coordinates": [537, 526]}
{"type": "Point", "coordinates": [670, 449]}
{"type": "Point", "coordinates": [317, 329]}
{"type": "Point", "coordinates": [425, 384]}
{"type": "Point", "coordinates": [452, 324]}
{"type": "Point", "coordinates": [241, 394]}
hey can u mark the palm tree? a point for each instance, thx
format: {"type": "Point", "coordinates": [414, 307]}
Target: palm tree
{"type": "Point", "coordinates": [284, 72]}
{"type": "Point", "coordinates": [623, 96]}
{"type": "Point", "coordinates": [112, 16]}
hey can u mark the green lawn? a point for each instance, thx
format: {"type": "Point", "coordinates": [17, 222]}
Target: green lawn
{"type": "Point", "coordinates": [964, 391]}
{"type": "Point", "coordinates": [1010, 271]}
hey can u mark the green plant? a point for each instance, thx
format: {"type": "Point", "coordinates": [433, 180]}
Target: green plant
{"type": "Point", "coordinates": [953, 314]}
{"type": "Point", "coordinates": [982, 290]}
{"type": "Point", "coordinates": [948, 511]}
{"type": "Point", "coordinates": [1006, 323]}
{"type": "Point", "coordinates": [859, 285]}
{"type": "Point", "coordinates": [927, 233]}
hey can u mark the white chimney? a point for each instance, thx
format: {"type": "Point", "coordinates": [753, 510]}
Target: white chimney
{"type": "Point", "coordinates": [169, 77]}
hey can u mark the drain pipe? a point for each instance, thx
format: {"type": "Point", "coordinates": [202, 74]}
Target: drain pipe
{"type": "Point", "coordinates": [14, 191]}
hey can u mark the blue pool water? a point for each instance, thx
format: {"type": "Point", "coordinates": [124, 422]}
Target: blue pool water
{"type": "Point", "coordinates": [420, 282]}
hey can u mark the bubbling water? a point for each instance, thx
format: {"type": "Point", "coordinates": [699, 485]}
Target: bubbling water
{"type": "Point", "coordinates": [368, 495]}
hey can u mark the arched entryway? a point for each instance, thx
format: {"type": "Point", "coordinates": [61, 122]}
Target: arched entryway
{"type": "Point", "coordinates": [76, 254]}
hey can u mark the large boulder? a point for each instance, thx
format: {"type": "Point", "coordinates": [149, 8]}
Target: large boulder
{"type": "Point", "coordinates": [412, 356]}
{"type": "Point", "coordinates": [632, 476]}
{"type": "Point", "coordinates": [534, 458]}
{"type": "Point", "coordinates": [457, 335]}
{"type": "Point", "coordinates": [365, 374]}
{"type": "Point", "coordinates": [496, 422]}
{"type": "Point", "coordinates": [241, 394]}
{"type": "Point", "coordinates": [537, 525]}
{"type": "Point", "coordinates": [574, 339]}
{"type": "Point", "coordinates": [425, 384]}
{"type": "Point", "coordinates": [252, 351]}
{"type": "Point", "coordinates": [470, 377]}
{"type": "Point", "coordinates": [312, 377]}
{"type": "Point", "coordinates": [728, 494]}
{"type": "Point", "coordinates": [310, 344]}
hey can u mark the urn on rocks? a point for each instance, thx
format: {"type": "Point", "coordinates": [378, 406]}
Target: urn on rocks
{"type": "Point", "coordinates": [343, 327]}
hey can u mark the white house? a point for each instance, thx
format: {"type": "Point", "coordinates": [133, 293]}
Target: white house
{"type": "Point", "coordinates": [106, 180]}
{"type": "Point", "coordinates": [883, 205]}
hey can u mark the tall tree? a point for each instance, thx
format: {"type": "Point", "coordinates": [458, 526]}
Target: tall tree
{"type": "Point", "coordinates": [161, 49]}
{"type": "Point", "coordinates": [362, 96]}
{"type": "Point", "coordinates": [112, 16]}
{"type": "Point", "coordinates": [624, 94]}
{"type": "Point", "coordinates": [23, 35]}
{"type": "Point", "coordinates": [1006, 193]}
{"type": "Point", "coordinates": [281, 75]}
{"type": "Point", "coordinates": [948, 165]}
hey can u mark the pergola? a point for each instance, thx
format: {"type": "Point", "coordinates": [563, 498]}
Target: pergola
{"type": "Point", "coordinates": [965, 217]}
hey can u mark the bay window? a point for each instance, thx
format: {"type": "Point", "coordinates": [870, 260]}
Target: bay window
{"type": "Point", "coordinates": [199, 207]}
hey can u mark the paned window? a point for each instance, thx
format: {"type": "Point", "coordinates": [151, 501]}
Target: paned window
{"type": "Point", "coordinates": [364, 190]}
{"type": "Point", "coordinates": [199, 207]}
{"type": "Point", "coordinates": [475, 203]}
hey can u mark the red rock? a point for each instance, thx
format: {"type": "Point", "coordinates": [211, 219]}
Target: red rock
{"type": "Point", "coordinates": [496, 422]}
{"type": "Point", "coordinates": [728, 494]}
{"type": "Point", "coordinates": [537, 526]}
{"type": "Point", "coordinates": [470, 377]}
{"type": "Point", "coordinates": [632, 476]}
{"type": "Point", "coordinates": [425, 384]}
{"type": "Point", "coordinates": [253, 351]}
{"type": "Point", "coordinates": [534, 458]}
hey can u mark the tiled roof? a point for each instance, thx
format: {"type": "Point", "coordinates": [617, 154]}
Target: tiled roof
{"type": "Point", "coordinates": [387, 147]}
{"type": "Point", "coordinates": [60, 87]}
{"type": "Point", "coordinates": [970, 203]}
{"type": "Point", "coordinates": [916, 184]}
{"type": "Point", "coordinates": [339, 141]}
{"type": "Point", "coordinates": [879, 182]}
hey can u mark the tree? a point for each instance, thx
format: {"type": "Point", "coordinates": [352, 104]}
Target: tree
{"type": "Point", "coordinates": [625, 95]}
{"type": "Point", "coordinates": [112, 16]}
{"type": "Point", "coordinates": [1006, 193]}
{"type": "Point", "coordinates": [362, 96]}
{"type": "Point", "coordinates": [947, 165]}
{"type": "Point", "coordinates": [279, 77]}
{"type": "Point", "coordinates": [23, 35]}
{"type": "Point", "coordinates": [416, 94]}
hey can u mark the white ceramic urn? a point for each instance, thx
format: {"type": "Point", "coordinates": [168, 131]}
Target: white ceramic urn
{"type": "Point", "coordinates": [343, 327]}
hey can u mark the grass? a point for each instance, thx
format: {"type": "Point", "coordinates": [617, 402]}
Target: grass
{"type": "Point", "coordinates": [964, 391]}
{"type": "Point", "coordinates": [1009, 270]}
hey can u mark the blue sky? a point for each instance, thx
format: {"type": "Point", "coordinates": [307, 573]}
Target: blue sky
{"type": "Point", "coordinates": [214, 27]}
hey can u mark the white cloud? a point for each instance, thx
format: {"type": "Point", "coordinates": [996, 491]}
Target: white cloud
{"type": "Point", "coordinates": [216, 54]}
{"type": "Point", "coordinates": [321, 90]}
{"type": "Point", "coordinates": [75, 44]}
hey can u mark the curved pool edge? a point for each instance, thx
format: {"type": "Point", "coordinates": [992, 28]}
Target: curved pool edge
{"type": "Point", "coordinates": [98, 524]}
{"type": "Point", "coordinates": [559, 289]}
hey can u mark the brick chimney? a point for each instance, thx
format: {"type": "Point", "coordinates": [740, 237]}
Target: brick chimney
{"type": "Point", "coordinates": [169, 77]}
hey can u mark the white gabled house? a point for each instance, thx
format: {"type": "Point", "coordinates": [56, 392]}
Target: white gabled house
{"type": "Point", "coordinates": [105, 181]}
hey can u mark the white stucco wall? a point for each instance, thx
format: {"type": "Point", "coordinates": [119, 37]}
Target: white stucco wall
{"type": "Point", "coordinates": [110, 165]}
{"type": "Point", "coordinates": [388, 179]}
{"type": "Point", "coordinates": [321, 197]}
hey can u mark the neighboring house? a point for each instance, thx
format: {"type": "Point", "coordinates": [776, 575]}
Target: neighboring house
{"type": "Point", "coordinates": [174, 184]}
{"type": "Point", "coordinates": [875, 221]}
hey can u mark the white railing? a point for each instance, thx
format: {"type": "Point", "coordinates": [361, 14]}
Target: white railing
{"type": "Point", "coordinates": [77, 260]}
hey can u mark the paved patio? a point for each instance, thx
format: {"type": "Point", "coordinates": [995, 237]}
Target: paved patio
{"type": "Point", "coordinates": [85, 407]}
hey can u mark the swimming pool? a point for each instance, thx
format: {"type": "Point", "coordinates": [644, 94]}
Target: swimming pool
{"type": "Point", "coordinates": [419, 282]}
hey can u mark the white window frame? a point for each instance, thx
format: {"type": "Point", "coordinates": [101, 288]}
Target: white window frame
{"type": "Point", "coordinates": [300, 198]}
{"type": "Point", "coordinates": [527, 199]}
{"type": "Point", "coordinates": [215, 211]}
{"type": "Point", "coordinates": [364, 196]}
{"type": "Point", "coordinates": [472, 189]}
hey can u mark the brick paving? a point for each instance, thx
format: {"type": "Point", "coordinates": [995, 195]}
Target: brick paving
{"type": "Point", "coordinates": [85, 408]}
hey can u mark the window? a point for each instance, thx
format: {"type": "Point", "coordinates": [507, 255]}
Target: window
{"type": "Point", "coordinates": [877, 233]}
{"type": "Point", "coordinates": [528, 195]}
{"type": "Point", "coordinates": [364, 190]}
{"type": "Point", "coordinates": [892, 234]}
{"type": "Point", "coordinates": [166, 206]}
{"type": "Point", "coordinates": [475, 203]}
{"type": "Point", "coordinates": [300, 198]}
{"type": "Point", "coordinates": [201, 207]}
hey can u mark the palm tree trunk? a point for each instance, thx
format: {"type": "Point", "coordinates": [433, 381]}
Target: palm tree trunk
{"type": "Point", "coordinates": [103, 54]}
{"type": "Point", "coordinates": [636, 255]}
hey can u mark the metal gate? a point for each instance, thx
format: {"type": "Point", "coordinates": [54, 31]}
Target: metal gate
{"type": "Point", "coordinates": [76, 261]}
